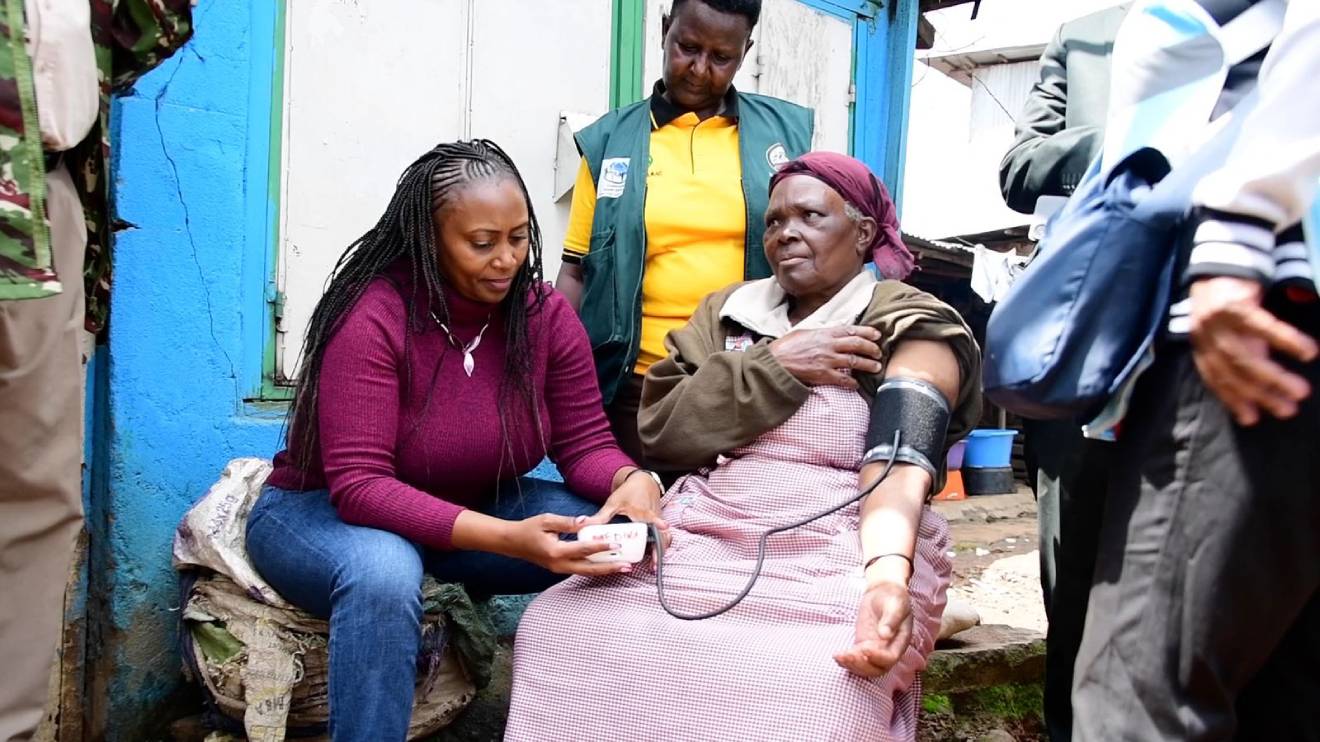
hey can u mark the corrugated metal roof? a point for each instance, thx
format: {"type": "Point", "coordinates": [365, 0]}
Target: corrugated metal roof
{"type": "Point", "coordinates": [960, 66]}
{"type": "Point", "coordinates": [1013, 233]}
{"type": "Point", "coordinates": [916, 240]}
{"type": "Point", "coordinates": [948, 251]}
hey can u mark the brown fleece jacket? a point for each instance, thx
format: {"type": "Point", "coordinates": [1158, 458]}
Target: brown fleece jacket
{"type": "Point", "coordinates": [703, 400]}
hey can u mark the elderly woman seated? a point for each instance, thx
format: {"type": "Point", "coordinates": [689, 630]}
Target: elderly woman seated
{"type": "Point", "coordinates": [784, 396]}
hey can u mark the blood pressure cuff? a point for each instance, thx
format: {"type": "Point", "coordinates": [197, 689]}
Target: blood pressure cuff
{"type": "Point", "coordinates": [918, 412]}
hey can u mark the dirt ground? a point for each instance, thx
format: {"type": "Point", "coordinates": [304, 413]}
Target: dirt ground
{"type": "Point", "coordinates": [996, 564]}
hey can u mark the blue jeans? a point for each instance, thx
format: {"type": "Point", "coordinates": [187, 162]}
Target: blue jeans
{"type": "Point", "coordinates": [367, 583]}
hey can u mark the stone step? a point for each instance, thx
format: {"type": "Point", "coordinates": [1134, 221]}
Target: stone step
{"type": "Point", "coordinates": [983, 657]}
{"type": "Point", "coordinates": [975, 673]}
{"type": "Point", "coordinates": [985, 684]}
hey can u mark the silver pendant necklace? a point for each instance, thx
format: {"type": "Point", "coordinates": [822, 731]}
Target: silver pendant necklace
{"type": "Point", "coordinates": [469, 363]}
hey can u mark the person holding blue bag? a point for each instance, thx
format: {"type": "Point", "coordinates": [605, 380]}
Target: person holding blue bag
{"type": "Point", "coordinates": [1203, 622]}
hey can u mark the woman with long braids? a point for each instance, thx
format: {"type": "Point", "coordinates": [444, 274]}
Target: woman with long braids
{"type": "Point", "coordinates": [438, 369]}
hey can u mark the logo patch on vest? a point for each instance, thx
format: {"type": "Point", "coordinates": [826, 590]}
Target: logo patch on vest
{"type": "Point", "coordinates": [776, 156]}
{"type": "Point", "coordinates": [613, 177]}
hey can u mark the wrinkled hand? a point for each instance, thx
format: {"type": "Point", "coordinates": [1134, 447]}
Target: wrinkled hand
{"type": "Point", "coordinates": [831, 356]}
{"type": "Point", "coordinates": [638, 498]}
{"type": "Point", "coordinates": [536, 540]}
{"type": "Point", "coordinates": [1232, 337]}
{"type": "Point", "coordinates": [884, 629]}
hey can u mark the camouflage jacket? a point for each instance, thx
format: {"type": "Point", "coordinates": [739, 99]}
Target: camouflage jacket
{"type": "Point", "coordinates": [131, 37]}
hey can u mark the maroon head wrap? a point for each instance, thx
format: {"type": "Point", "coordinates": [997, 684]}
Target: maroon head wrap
{"type": "Point", "coordinates": [852, 180]}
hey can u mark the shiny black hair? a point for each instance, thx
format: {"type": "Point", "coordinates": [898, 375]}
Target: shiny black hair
{"type": "Point", "coordinates": [749, 9]}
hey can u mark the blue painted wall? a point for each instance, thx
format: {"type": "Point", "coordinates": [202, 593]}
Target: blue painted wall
{"type": "Point", "coordinates": [188, 320]}
{"type": "Point", "coordinates": [174, 406]}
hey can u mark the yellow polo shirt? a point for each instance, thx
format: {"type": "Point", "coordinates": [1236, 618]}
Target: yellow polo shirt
{"type": "Point", "coordinates": [696, 222]}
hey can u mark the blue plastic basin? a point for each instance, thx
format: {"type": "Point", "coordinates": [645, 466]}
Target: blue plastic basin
{"type": "Point", "coordinates": [989, 448]}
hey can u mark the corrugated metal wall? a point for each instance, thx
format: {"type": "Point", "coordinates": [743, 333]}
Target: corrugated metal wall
{"type": "Point", "coordinates": [998, 94]}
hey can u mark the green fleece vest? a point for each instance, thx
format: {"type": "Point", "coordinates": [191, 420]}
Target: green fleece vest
{"type": "Point", "coordinates": [617, 149]}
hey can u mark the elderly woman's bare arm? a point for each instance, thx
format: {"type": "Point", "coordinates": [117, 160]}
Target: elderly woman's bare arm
{"type": "Point", "coordinates": [889, 520]}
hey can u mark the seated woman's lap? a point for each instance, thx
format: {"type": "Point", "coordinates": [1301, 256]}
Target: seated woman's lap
{"type": "Point", "coordinates": [483, 573]}
{"type": "Point", "coordinates": [301, 546]}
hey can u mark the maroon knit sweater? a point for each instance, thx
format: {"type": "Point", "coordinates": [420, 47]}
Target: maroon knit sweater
{"type": "Point", "coordinates": [409, 460]}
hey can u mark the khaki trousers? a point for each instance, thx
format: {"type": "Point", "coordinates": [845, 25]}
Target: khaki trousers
{"type": "Point", "coordinates": [41, 383]}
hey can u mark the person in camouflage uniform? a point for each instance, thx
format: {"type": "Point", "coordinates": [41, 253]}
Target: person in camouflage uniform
{"type": "Point", "coordinates": [131, 37]}
{"type": "Point", "coordinates": [60, 61]}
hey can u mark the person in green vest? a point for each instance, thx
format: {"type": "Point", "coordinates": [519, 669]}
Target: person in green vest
{"type": "Point", "coordinates": [670, 197]}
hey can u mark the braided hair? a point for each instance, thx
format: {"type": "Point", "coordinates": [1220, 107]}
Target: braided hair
{"type": "Point", "coordinates": [406, 231]}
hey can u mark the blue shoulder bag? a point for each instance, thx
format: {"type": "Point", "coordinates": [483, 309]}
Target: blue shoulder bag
{"type": "Point", "coordinates": [1082, 319]}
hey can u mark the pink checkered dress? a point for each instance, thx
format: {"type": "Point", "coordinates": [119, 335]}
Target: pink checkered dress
{"type": "Point", "coordinates": [597, 659]}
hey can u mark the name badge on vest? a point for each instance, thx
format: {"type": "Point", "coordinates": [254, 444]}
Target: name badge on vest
{"type": "Point", "coordinates": [613, 177]}
{"type": "Point", "coordinates": [739, 343]}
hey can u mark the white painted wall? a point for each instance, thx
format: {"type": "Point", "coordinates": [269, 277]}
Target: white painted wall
{"type": "Point", "coordinates": [351, 128]}
{"type": "Point", "coordinates": [504, 70]}
{"type": "Point", "coordinates": [805, 56]}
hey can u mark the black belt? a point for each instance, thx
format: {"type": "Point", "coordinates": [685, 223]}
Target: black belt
{"type": "Point", "coordinates": [53, 160]}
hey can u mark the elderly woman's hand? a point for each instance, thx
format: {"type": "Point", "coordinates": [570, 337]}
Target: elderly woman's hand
{"type": "Point", "coordinates": [884, 628]}
{"type": "Point", "coordinates": [831, 356]}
